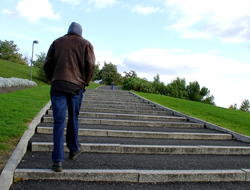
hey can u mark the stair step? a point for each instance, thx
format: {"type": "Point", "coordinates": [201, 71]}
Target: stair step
{"type": "Point", "coordinates": [125, 106]}
{"type": "Point", "coordinates": [126, 111]}
{"type": "Point", "coordinates": [42, 160]}
{"type": "Point", "coordinates": [92, 101]}
{"type": "Point", "coordinates": [143, 141]}
{"type": "Point", "coordinates": [150, 149]}
{"type": "Point", "coordinates": [98, 121]}
{"type": "Point", "coordinates": [140, 134]}
{"type": "Point", "coordinates": [128, 116]}
{"type": "Point", "coordinates": [139, 176]}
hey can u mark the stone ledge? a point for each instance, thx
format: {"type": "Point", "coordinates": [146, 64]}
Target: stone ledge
{"type": "Point", "coordinates": [136, 176]}
{"type": "Point", "coordinates": [150, 149]}
{"type": "Point", "coordinates": [140, 134]}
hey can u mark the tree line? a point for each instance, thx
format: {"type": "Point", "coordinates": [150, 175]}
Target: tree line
{"type": "Point", "coordinates": [9, 52]}
{"type": "Point", "coordinates": [245, 106]}
{"type": "Point", "coordinates": [177, 88]}
{"type": "Point", "coordinates": [130, 81]}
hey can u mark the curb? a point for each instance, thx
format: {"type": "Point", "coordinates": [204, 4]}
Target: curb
{"type": "Point", "coordinates": [140, 134]}
{"type": "Point", "coordinates": [102, 121]}
{"type": "Point", "coordinates": [136, 176]}
{"type": "Point", "coordinates": [6, 177]}
{"type": "Point", "coordinates": [237, 136]}
{"type": "Point", "coordinates": [149, 149]}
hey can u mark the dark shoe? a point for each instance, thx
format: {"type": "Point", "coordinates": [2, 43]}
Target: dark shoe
{"type": "Point", "coordinates": [57, 166]}
{"type": "Point", "coordinates": [73, 155]}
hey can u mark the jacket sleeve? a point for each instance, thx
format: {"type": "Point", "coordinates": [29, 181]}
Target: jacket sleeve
{"type": "Point", "coordinates": [49, 64]}
{"type": "Point", "coordinates": [89, 63]}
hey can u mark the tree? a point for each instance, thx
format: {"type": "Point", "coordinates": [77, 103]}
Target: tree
{"type": "Point", "coordinates": [40, 60]}
{"type": "Point", "coordinates": [159, 86]}
{"type": "Point", "coordinates": [138, 84]}
{"type": "Point", "coordinates": [194, 91]}
{"type": "Point", "coordinates": [97, 73]}
{"type": "Point", "coordinates": [245, 106]}
{"type": "Point", "coordinates": [39, 64]}
{"type": "Point", "coordinates": [129, 74]}
{"type": "Point", "coordinates": [199, 95]}
{"type": "Point", "coordinates": [9, 52]}
{"type": "Point", "coordinates": [109, 73]}
{"type": "Point", "coordinates": [177, 89]}
{"type": "Point", "coordinates": [233, 107]}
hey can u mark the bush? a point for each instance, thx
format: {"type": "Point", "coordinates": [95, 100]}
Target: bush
{"type": "Point", "coordinates": [138, 84]}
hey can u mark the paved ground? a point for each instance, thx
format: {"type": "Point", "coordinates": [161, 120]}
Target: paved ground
{"type": "Point", "coordinates": [12, 89]}
{"type": "Point", "coordinates": [76, 185]}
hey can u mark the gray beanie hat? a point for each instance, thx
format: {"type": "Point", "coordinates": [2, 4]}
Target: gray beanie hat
{"type": "Point", "coordinates": [75, 28]}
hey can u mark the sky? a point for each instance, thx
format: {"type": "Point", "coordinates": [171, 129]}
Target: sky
{"type": "Point", "coordinates": [206, 41]}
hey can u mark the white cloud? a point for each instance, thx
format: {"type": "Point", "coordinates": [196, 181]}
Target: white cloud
{"type": "Point", "coordinates": [34, 10]}
{"type": "Point", "coordinates": [102, 3]}
{"type": "Point", "coordinates": [145, 10]}
{"type": "Point", "coordinates": [226, 20]}
{"type": "Point", "coordinates": [227, 79]}
{"type": "Point", "coordinates": [107, 56]}
{"type": "Point", "coordinates": [5, 11]}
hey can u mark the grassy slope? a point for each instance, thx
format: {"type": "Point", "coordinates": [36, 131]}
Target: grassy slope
{"type": "Point", "coordinates": [231, 119]}
{"type": "Point", "coordinates": [20, 107]}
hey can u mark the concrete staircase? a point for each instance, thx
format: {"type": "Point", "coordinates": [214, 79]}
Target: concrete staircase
{"type": "Point", "coordinates": [128, 141]}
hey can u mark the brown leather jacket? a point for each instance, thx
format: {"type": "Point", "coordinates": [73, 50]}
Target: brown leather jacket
{"type": "Point", "coordinates": [70, 58]}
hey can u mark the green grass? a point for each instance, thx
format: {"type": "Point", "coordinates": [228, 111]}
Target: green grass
{"type": "Point", "coordinates": [231, 119]}
{"type": "Point", "coordinates": [93, 85]}
{"type": "Point", "coordinates": [20, 107]}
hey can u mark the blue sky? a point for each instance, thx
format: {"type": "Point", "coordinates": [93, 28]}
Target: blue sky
{"type": "Point", "coordinates": [204, 41]}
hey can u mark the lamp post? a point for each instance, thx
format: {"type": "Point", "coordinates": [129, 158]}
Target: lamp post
{"type": "Point", "coordinates": [34, 42]}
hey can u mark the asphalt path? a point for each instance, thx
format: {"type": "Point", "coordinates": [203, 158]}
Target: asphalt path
{"type": "Point", "coordinates": [78, 185]}
{"type": "Point", "coordinates": [42, 160]}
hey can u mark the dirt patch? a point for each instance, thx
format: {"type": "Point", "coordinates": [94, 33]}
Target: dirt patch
{"type": "Point", "coordinates": [5, 90]}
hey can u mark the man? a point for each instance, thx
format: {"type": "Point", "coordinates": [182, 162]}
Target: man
{"type": "Point", "coordinates": [112, 85]}
{"type": "Point", "coordinates": [69, 65]}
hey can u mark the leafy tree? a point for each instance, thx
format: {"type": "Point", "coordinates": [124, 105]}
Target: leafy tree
{"type": "Point", "coordinates": [40, 60]}
{"type": "Point", "coordinates": [194, 91]}
{"type": "Point", "coordinates": [245, 106]}
{"type": "Point", "coordinates": [109, 73]}
{"type": "Point", "coordinates": [177, 89]}
{"type": "Point", "coordinates": [159, 86]}
{"type": "Point", "coordinates": [97, 73]}
{"type": "Point", "coordinates": [39, 64]}
{"type": "Point", "coordinates": [206, 98]}
{"type": "Point", "coordinates": [138, 84]}
{"type": "Point", "coordinates": [129, 74]}
{"type": "Point", "coordinates": [199, 95]}
{"type": "Point", "coordinates": [9, 52]}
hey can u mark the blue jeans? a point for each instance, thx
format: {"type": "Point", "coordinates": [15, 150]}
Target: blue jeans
{"type": "Point", "coordinates": [60, 101]}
